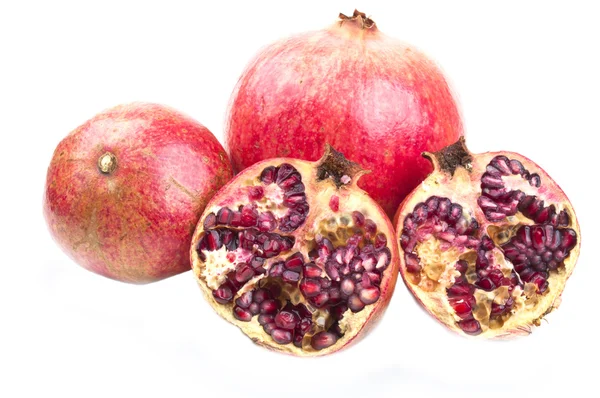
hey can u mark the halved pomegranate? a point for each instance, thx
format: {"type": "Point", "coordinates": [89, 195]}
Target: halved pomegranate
{"type": "Point", "coordinates": [487, 242]}
{"type": "Point", "coordinates": [296, 255]}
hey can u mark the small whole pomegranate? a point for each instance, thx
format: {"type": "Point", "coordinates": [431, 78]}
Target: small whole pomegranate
{"type": "Point", "coordinates": [378, 100]}
{"type": "Point", "coordinates": [124, 190]}
{"type": "Point", "coordinates": [296, 255]}
{"type": "Point", "coordinates": [487, 242]}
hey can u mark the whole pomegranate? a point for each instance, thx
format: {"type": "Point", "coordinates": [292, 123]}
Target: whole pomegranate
{"type": "Point", "coordinates": [124, 190]}
{"type": "Point", "coordinates": [487, 242]}
{"type": "Point", "coordinates": [296, 255]}
{"type": "Point", "coordinates": [376, 99]}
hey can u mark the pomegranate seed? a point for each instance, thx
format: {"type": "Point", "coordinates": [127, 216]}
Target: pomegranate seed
{"type": "Point", "coordinates": [213, 240]}
{"type": "Point", "coordinates": [311, 270]}
{"type": "Point", "coordinates": [569, 239]}
{"type": "Point", "coordinates": [293, 184]}
{"type": "Point", "coordinates": [334, 203]}
{"type": "Point", "coordinates": [261, 295]}
{"type": "Point", "coordinates": [420, 214]}
{"type": "Point", "coordinates": [290, 276]}
{"type": "Point", "coordinates": [266, 222]}
{"type": "Point", "coordinates": [281, 336]}
{"type": "Point", "coordinates": [563, 219]}
{"type": "Point", "coordinates": [224, 216]}
{"type": "Point", "coordinates": [347, 287]}
{"type": "Point", "coordinates": [276, 270]}
{"type": "Point", "coordinates": [285, 170]}
{"type": "Point", "coordinates": [286, 320]}
{"type": "Point", "coordinates": [444, 208]}
{"type": "Point", "coordinates": [409, 225]}
{"type": "Point", "coordinates": [295, 262]}
{"type": "Point", "coordinates": [210, 221]}
{"type": "Point", "coordinates": [535, 180]}
{"type": "Point", "coordinates": [490, 181]}
{"type": "Point", "coordinates": [432, 204]}
{"type": "Point", "coordinates": [374, 277]}
{"type": "Point", "coordinates": [470, 326]}
{"type": "Point", "coordinates": [304, 325]}
{"type": "Point", "coordinates": [380, 241]}
{"type": "Point", "coordinates": [323, 340]}
{"type": "Point", "coordinates": [256, 193]}
{"type": "Point", "coordinates": [486, 284]}
{"type": "Point", "coordinates": [236, 219]}
{"type": "Point", "coordinates": [310, 287]}
{"type": "Point", "coordinates": [254, 308]}
{"type": "Point", "coordinates": [369, 295]}
{"type": "Point", "coordinates": [491, 170]}
{"type": "Point", "coordinates": [249, 216]}
{"type": "Point", "coordinates": [516, 167]}
{"type": "Point", "coordinates": [486, 203]}
{"type": "Point", "coordinates": [223, 294]}
{"type": "Point", "coordinates": [370, 226]}
{"type": "Point", "coordinates": [355, 303]}
{"type": "Point", "coordinates": [298, 338]}
{"type": "Point", "coordinates": [461, 306]}
{"type": "Point", "coordinates": [502, 163]}
{"type": "Point", "coordinates": [412, 263]}
{"type": "Point", "coordinates": [264, 319]}
{"type": "Point", "coordinates": [269, 327]}
{"type": "Point", "coordinates": [269, 306]}
{"type": "Point", "coordinates": [384, 257]}
{"type": "Point", "coordinates": [294, 200]}
{"type": "Point", "coordinates": [456, 212]}
{"type": "Point", "coordinates": [321, 299]}
{"type": "Point", "coordinates": [459, 290]}
{"type": "Point", "coordinates": [537, 237]}
{"type": "Point", "coordinates": [332, 271]}
{"type": "Point", "coordinates": [539, 279]}
{"type": "Point", "coordinates": [268, 175]}
{"type": "Point", "coordinates": [244, 273]}
{"type": "Point", "coordinates": [244, 300]}
{"type": "Point", "coordinates": [242, 314]}
{"type": "Point", "coordinates": [334, 295]}
{"type": "Point", "coordinates": [368, 262]}
{"type": "Point", "coordinates": [358, 218]}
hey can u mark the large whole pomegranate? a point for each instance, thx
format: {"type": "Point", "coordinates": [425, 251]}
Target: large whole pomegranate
{"type": "Point", "coordinates": [376, 99]}
{"type": "Point", "coordinates": [124, 190]}
{"type": "Point", "coordinates": [487, 242]}
{"type": "Point", "coordinates": [296, 255]}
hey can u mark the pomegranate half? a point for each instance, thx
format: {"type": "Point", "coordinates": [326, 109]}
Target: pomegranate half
{"type": "Point", "coordinates": [296, 255]}
{"type": "Point", "coordinates": [378, 100]}
{"type": "Point", "coordinates": [487, 242]}
{"type": "Point", "coordinates": [124, 191]}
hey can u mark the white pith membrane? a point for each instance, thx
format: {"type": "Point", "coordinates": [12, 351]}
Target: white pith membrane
{"type": "Point", "coordinates": [438, 254]}
{"type": "Point", "coordinates": [212, 267]}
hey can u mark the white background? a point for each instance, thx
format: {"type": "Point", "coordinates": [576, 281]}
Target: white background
{"type": "Point", "coordinates": [527, 75]}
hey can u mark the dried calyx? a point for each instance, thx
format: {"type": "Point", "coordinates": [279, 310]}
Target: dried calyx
{"type": "Point", "coordinates": [487, 242]}
{"type": "Point", "coordinates": [296, 255]}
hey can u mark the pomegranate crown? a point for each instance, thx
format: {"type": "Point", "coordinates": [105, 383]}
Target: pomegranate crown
{"type": "Point", "coordinates": [359, 18]}
{"type": "Point", "coordinates": [340, 170]}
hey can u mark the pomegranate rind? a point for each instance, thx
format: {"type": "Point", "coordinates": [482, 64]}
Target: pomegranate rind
{"type": "Point", "coordinates": [355, 325]}
{"type": "Point", "coordinates": [133, 221]}
{"type": "Point", "coordinates": [377, 99]}
{"type": "Point", "coordinates": [463, 186]}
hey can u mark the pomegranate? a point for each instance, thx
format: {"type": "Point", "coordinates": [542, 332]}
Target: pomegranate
{"type": "Point", "coordinates": [487, 242]}
{"type": "Point", "coordinates": [378, 100]}
{"type": "Point", "coordinates": [296, 255]}
{"type": "Point", "coordinates": [124, 191]}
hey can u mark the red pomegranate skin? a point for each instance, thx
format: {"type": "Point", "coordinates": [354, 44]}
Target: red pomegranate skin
{"type": "Point", "coordinates": [374, 98]}
{"type": "Point", "coordinates": [134, 223]}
